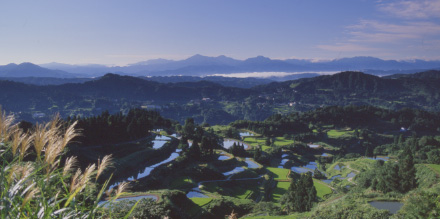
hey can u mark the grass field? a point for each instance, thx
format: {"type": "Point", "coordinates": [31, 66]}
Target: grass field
{"type": "Point", "coordinates": [280, 190]}
{"type": "Point", "coordinates": [436, 167]}
{"type": "Point", "coordinates": [241, 193]}
{"type": "Point", "coordinates": [217, 128]}
{"type": "Point", "coordinates": [361, 163]}
{"type": "Point", "coordinates": [279, 173]}
{"type": "Point", "coordinates": [254, 141]}
{"type": "Point", "coordinates": [281, 141]}
{"type": "Point", "coordinates": [265, 148]}
{"type": "Point", "coordinates": [201, 201]}
{"type": "Point", "coordinates": [335, 133]}
{"type": "Point", "coordinates": [321, 188]}
{"type": "Point", "coordinates": [182, 182]}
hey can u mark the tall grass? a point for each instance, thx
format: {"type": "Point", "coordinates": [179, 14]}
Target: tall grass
{"type": "Point", "coordinates": [35, 182]}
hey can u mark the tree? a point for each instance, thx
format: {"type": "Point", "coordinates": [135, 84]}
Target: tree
{"type": "Point", "coordinates": [318, 175]}
{"type": "Point", "coordinates": [407, 171]}
{"type": "Point", "coordinates": [194, 151]}
{"type": "Point", "coordinates": [233, 149]}
{"type": "Point", "coordinates": [183, 143]}
{"type": "Point", "coordinates": [267, 141]}
{"type": "Point", "coordinates": [205, 145]}
{"type": "Point", "coordinates": [188, 128]}
{"type": "Point", "coordinates": [257, 153]}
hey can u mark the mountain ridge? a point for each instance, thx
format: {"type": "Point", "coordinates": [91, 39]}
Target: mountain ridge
{"type": "Point", "coordinates": [199, 65]}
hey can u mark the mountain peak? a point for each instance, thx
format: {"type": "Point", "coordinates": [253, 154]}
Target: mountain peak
{"type": "Point", "coordinates": [198, 56]}
{"type": "Point", "coordinates": [258, 59]}
{"type": "Point", "coordinates": [28, 64]}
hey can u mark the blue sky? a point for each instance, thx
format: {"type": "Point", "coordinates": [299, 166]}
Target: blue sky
{"type": "Point", "coordinates": [123, 32]}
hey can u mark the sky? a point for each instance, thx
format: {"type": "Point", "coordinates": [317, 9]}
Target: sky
{"type": "Point", "coordinates": [122, 32]}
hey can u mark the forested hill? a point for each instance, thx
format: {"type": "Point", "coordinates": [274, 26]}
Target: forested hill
{"type": "Point", "coordinates": [432, 74]}
{"type": "Point", "coordinates": [359, 89]}
{"type": "Point", "coordinates": [112, 87]}
{"type": "Point", "coordinates": [205, 100]}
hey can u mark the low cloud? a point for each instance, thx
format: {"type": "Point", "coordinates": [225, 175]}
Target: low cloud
{"type": "Point", "coordinates": [270, 74]}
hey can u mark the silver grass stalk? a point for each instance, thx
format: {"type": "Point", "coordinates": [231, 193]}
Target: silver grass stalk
{"type": "Point", "coordinates": [104, 164]}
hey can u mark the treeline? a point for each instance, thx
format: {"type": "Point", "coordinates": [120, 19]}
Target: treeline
{"type": "Point", "coordinates": [370, 117]}
{"type": "Point", "coordinates": [275, 125]}
{"type": "Point", "coordinates": [357, 88]}
{"type": "Point", "coordinates": [390, 176]}
{"type": "Point", "coordinates": [111, 129]}
{"type": "Point", "coordinates": [203, 142]}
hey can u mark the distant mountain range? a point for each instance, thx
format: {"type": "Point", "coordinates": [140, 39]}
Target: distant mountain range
{"type": "Point", "coordinates": [199, 65]}
{"type": "Point", "coordinates": [31, 70]}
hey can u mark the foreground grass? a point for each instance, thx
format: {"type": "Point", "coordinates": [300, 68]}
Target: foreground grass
{"type": "Point", "coordinates": [33, 182]}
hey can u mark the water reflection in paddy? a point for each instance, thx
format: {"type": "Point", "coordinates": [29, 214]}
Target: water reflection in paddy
{"type": "Point", "coordinates": [196, 194]}
{"type": "Point", "coordinates": [234, 171]}
{"type": "Point", "coordinates": [251, 163]}
{"type": "Point", "coordinates": [148, 170]}
{"type": "Point", "coordinates": [331, 179]}
{"type": "Point", "coordinates": [393, 207]}
{"type": "Point", "coordinates": [313, 146]}
{"type": "Point", "coordinates": [311, 165]}
{"type": "Point", "coordinates": [300, 170]}
{"type": "Point", "coordinates": [162, 138]}
{"type": "Point", "coordinates": [350, 175]}
{"type": "Point", "coordinates": [223, 157]}
{"type": "Point", "coordinates": [244, 134]}
{"type": "Point", "coordinates": [379, 158]}
{"type": "Point", "coordinates": [338, 167]}
{"type": "Point", "coordinates": [229, 142]}
{"type": "Point", "coordinates": [158, 144]}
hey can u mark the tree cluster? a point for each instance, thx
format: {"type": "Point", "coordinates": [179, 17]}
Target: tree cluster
{"type": "Point", "coordinates": [300, 195]}
{"type": "Point", "coordinates": [237, 150]}
{"type": "Point", "coordinates": [391, 177]}
{"type": "Point", "coordinates": [111, 129]}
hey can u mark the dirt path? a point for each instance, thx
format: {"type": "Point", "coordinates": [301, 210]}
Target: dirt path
{"type": "Point", "coordinates": [332, 201]}
{"type": "Point", "coordinates": [348, 166]}
{"type": "Point", "coordinates": [351, 178]}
